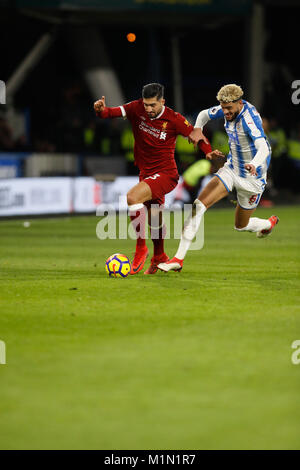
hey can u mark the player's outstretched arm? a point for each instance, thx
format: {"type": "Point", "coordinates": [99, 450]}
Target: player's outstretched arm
{"type": "Point", "coordinates": [104, 112]}
{"type": "Point", "coordinates": [196, 135]}
{"type": "Point", "coordinates": [185, 129]}
{"type": "Point", "coordinates": [99, 105]}
{"type": "Point", "coordinates": [215, 154]}
{"type": "Point", "coordinates": [202, 119]}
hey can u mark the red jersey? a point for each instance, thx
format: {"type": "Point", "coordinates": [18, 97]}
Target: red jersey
{"type": "Point", "coordinates": [155, 139]}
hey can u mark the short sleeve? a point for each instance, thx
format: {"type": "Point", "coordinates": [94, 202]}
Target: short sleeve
{"type": "Point", "coordinates": [183, 126]}
{"type": "Point", "coordinates": [215, 112]}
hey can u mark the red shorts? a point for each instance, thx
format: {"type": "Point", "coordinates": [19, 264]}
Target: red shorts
{"type": "Point", "coordinates": [160, 183]}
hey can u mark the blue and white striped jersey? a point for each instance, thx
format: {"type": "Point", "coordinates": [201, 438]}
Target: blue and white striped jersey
{"type": "Point", "coordinates": [242, 133]}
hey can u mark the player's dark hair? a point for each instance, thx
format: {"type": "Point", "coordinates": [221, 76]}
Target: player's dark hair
{"type": "Point", "coordinates": [153, 90]}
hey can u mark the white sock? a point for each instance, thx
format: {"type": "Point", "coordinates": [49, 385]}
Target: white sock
{"type": "Point", "coordinates": [190, 229]}
{"type": "Point", "coordinates": [138, 219]}
{"type": "Point", "coordinates": [135, 207]}
{"type": "Point", "coordinates": [256, 225]}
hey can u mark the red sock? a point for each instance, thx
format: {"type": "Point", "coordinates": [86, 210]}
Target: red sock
{"type": "Point", "coordinates": [138, 221]}
{"type": "Point", "coordinates": [157, 236]}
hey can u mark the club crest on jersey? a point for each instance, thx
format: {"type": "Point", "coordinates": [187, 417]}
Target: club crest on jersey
{"type": "Point", "coordinates": [214, 110]}
{"type": "Point", "coordinates": [186, 122]}
{"type": "Point", "coordinates": [164, 125]}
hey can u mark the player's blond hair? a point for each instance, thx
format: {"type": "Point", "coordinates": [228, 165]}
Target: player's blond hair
{"type": "Point", "coordinates": [229, 93]}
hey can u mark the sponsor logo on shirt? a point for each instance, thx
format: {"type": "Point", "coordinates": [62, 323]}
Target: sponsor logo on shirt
{"type": "Point", "coordinates": [143, 126]}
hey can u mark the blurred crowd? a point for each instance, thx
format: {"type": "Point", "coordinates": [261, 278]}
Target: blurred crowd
{"type": "Point", "coordinates": [74, 128]}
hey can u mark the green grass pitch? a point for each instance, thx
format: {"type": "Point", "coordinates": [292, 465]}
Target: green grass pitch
{"type": "Point", "coordinates": [194, 360]}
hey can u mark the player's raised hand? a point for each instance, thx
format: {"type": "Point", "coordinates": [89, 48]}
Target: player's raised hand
{"type": "Point", "coordinates": [215, 154]}
{"type": "Point", "coordinates": [197, 135]}
{"type": "Point", "coordinates": [99, 105]}
{"type": "Point", "coordinates": [251, 168]}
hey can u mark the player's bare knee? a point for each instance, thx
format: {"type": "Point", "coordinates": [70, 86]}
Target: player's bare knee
{"type": "Point", "coordinates": [131, 199]}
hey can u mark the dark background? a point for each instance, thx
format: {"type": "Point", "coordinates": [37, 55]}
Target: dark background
{"type": "Point", "coordinates": [214, 50]}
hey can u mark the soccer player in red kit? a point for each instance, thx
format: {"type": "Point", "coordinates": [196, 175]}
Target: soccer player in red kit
{"type": "Point", "coordinates": [155, 128]}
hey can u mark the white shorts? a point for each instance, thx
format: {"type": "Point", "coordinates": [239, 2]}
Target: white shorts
{"type": "Point", "coordinates": [249, 190]}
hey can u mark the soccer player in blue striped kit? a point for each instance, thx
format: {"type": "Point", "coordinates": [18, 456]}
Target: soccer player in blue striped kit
{"type": "Point", "coordinates": [245, 170]}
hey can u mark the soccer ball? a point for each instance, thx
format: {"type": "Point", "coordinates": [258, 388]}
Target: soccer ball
{"type": "Point", "coordinates": [118, 265]}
